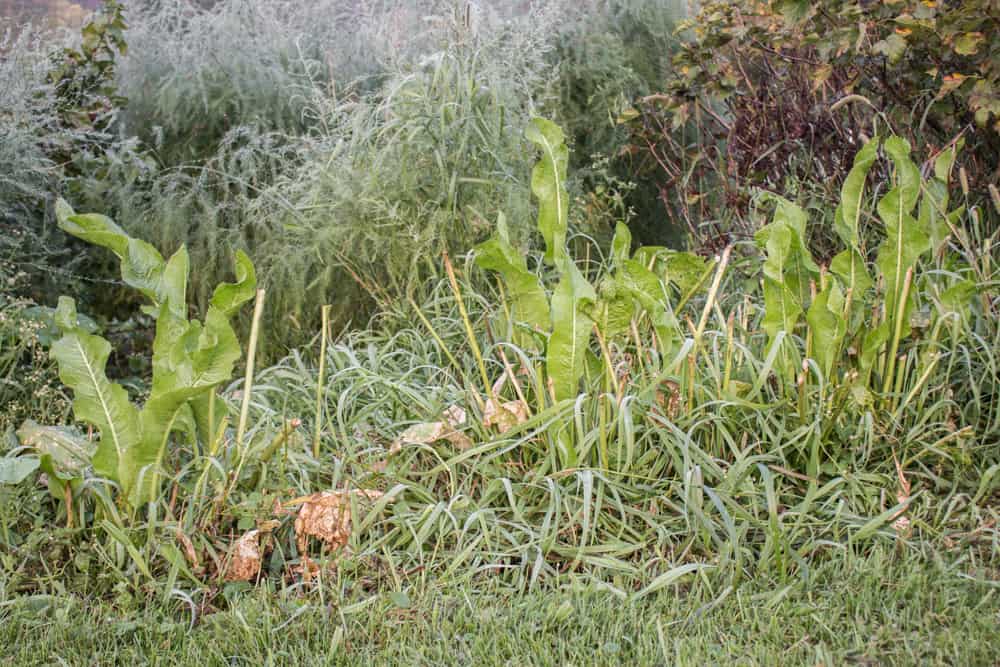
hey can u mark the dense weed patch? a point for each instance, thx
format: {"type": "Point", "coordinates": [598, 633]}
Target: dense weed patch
{"type": "Point", "coordinates": [539, 402]}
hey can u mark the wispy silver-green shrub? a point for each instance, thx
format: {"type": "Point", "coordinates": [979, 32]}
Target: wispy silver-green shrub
{"type": "Point", "coordinates": [395, 179]}
{"type": "Point", "coordinates": [344, 184]}
{"type": "Point", "coordinates": [193, 74]}
{"type": "Point", "coordinates": [346, 144]}
{"type": "Point", "coordinates": [33, 253]}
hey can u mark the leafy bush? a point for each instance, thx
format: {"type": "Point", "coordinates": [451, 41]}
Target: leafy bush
{"type": "Point", "coordinates": [781, 95]}
{"type": "Point", "coordinates": [61, 104]}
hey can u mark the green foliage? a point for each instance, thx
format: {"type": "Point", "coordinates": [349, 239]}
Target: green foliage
{"type": "Point", "coordinates": [630, 291]}
{"type": "Point", "coordinates": [835, 313]}
{"type": "Point", "coordinates": [97, 401]}
{"type": "Point", "coordinates": [29, 386]}
{"type": "Point", "coordinates": [84, 77]}
{"type": "Point", "coordinates": [190, 358]}
{"type": "Point", "coordinates": [548, 184]}
{"type": "Point", "coordinates": [914, 44]}
{"type": "Point", "coordinates": [492, 624]}
{"type": "Point", "coordinates": [528, 302]}
{"type": "Point", "coordinates": [626, 429]}
{"type": "Point", "coordinates": [572, 301]}
{"type": "Point", "coordinates": [788, 269]}
{"type": "Point", "coordinates": [196, 73]}
{"type": "Point", "coordinates": [905, 241]}
{"type": "Point", "coordinates": [343, 146]}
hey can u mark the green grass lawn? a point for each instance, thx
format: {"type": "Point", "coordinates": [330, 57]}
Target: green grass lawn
{"type": "Point", "coordinates": [881, 609]}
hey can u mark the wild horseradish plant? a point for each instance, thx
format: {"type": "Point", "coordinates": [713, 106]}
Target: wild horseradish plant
{"type": "Point", "coordinates": [859, 313]}
{"type": "Point", "coordinates": [564, 324]}
{"type": "Point", "coordinates": [190, 360]}
{"type": "Point", "coordinates": [835, 302]}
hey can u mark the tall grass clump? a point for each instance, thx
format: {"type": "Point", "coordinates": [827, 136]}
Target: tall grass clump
{"type": "Point", "coordinates": [193, 74]}
{"type": "Point", "coordinates": [395, 179]}
{"type": "Point", "coordinates": [381, 165]}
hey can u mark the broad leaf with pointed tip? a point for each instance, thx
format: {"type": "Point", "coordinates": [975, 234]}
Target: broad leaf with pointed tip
{"type": "Point", "coordinates": [528, 301]}
{"type": "Point", "coordinates": [933, 214]}
{"type": "Point", "coordinates": [788, 268]}
{"type": "Point", "coordinates": [548, 183]}
{"type": "Point", "coordinates": [189, 359]}
{"type": "Point", "coordinates": [847, 217]}
{"type": "Point", "coordinates": [621, 245]}
{"type": "Point", "coordinates": [828, 324]}
{"type": "Point", "coordinates": [905, 241]}
{"type": "Point", "coordinates": [644, 287]}
{"type": "Point", "coordinates": [571, 329]}
{"type": "Point", "coordinates": [82, 358]}
{"type": "Point", "coordinates": [849, 264]}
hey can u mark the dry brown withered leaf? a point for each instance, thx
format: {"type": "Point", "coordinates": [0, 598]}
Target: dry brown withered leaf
{"type": "Point", "coordinates": [244, 558]}
{"type": "Point", "coordinates": [307, 569]}
{"type": "Point", "coordinates": [506, 415]}
{"type": "Point", "coordinates": [668, 397]}
{"type": "Point", "coordinates": [277, 509]}
{"type": "Point", "coordinates": [327, 516]}
{"type": "Point", "coordinates": [428, 432]}
{"type": "Point", "coordinates": [455, 416]}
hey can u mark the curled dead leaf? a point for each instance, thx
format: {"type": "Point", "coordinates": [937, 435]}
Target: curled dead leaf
{"type": "Point", "coordinates": [506, 415]}
{"type": "Point", "coordinates": [327, 516]}
{"type": "Point", "coordinates": [244, 558]}
{"type": "Point", "coordinates": [428, 432]}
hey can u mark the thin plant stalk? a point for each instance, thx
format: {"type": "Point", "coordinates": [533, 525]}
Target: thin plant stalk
{"type": "Point", "coordinates": [468, 326]}
{"type": "Point", "coordinates": [897, 331]}
{"type": "Point", "coordinates": [258, 310]}
{"type": "Point", "coordinates": [320, 380]}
